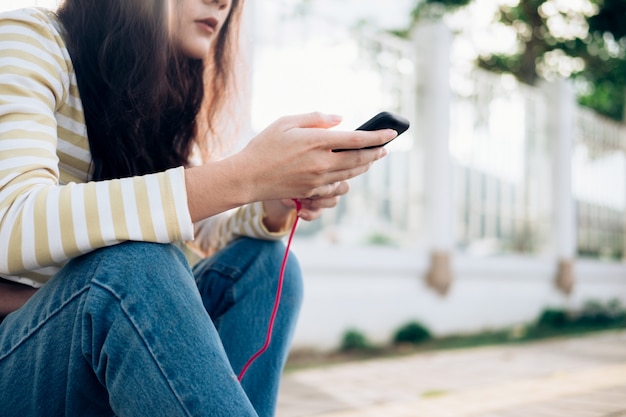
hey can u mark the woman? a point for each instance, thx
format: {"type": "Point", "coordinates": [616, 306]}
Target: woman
{"type": "Point", "coordinates": [105, 105]}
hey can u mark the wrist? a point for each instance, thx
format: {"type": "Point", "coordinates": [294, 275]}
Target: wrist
{"type": "Point", "coordinates": [277, 216]}
{"type": "Point", "coordinates": [215, 187]}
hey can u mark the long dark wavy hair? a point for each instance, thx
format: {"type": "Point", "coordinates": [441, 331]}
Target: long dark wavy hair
{"type": "Point", "coordinates": [145, 103]}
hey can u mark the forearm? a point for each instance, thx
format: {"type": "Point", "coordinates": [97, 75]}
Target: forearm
{"type": "Point", "coordinates": [292, 158]}
{"type": "Point", "coordinates": [82, 217]}
{"type": "Point", "coordinates": [216, 187]}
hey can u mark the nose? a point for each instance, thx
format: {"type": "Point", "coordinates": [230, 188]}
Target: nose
{"type": "Point", "coordinates": [221, 4]}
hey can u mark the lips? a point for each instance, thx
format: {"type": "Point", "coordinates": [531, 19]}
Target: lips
{"type": "Point", "coordinates": [210, 23]}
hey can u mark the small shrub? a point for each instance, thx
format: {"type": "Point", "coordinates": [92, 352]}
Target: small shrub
{"type": "Point", "coordinates": [593, 315]}
{"type": "Point", "coordinates": [616, 310]}
{"type": "Point", "coordinates": [553, 318]}
{"type": "Point", "coordinates": [412, 333]}
{"type": "Point", "coordinates": [380, 239]}
{"type": "Point", "coordinates": [354, 340]}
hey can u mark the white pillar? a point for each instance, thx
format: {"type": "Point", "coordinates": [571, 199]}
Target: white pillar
{"type": "Point", "coordinates": [433, 41]}
{"type": "Point", "coordinates": [561, 102]}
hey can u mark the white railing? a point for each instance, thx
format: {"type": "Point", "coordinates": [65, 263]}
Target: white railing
{"type": "Point", "coordinates": [599, 163]}
{"type": "Point", "coordinates": [498, 145]}
{"type": "Point", "coordinates": [502, 156]}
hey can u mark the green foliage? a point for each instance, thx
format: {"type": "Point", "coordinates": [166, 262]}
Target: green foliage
{"type": "Point", "coordinates": [380, 239]}
{"type": "Point", "coordinates": [552, 318]}
{"type": "Point", "coordinates": [411, 333]}
{"type": "Point", "coordinates": [606, 99]}
{"type": "Point", "coordinates": [425, 9]}
{"type": "Point", "coordinates": [413, 337]}
{"type": "Point", "coordinates": [449, 3]}
{"type": "Point", "coordinates": [607, 80]}
{"type": "Point", "coordinates": [602, 49]}
{"type": "Point", "coordinates": [610, 18]}
{"type": "Point", "coordinates": [354, 340]}
{"type": "Point", "coordinates": [593, 315]}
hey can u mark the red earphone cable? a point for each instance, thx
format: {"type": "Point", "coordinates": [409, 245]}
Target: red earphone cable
{"type": "Point", "coordinates": [279, 290]}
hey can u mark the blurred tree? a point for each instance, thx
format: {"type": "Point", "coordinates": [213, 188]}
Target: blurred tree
{"type": "Point", "coordinates": [585, 40]}
{"type": "Point", "coordinates": [437, 6]}
{"type": "Point", "coordinates": [606, 62]}
{"type": "Point", "coordinates": [582, 40]}
{"type": "Point", "coordinates": [429, 8]}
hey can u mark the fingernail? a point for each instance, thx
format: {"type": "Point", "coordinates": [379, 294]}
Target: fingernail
{"type": "Point", "coordinates": [391, 134]}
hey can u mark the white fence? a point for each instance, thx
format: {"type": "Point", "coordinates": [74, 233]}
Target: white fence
{"type": "Point", "coordinates": [502, 159]}
{"type": "Point", "coordinates": [497, 192]}
{"type": "Point", "coordinates": [599, 184]}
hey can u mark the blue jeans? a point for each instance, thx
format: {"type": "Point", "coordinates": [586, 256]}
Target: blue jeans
{"type": "Point", "coordinates": [124, 331]}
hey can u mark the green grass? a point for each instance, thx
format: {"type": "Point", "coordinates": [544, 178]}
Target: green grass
{"type": "Point", "coordinates": [413, 337]}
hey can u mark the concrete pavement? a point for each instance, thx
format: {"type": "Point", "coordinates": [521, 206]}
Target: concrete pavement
{"type": "Point", "coordinates": [572, 377]}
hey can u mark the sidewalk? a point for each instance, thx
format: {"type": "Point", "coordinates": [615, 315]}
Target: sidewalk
{"type": "Point", "coordinates": [574, 377]}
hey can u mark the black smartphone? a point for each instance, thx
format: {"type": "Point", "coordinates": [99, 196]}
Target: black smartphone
{"type": "Point", "coordinates": [383, 120]}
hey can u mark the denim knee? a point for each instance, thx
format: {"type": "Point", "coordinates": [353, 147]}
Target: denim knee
{"type": "Point", "coordinates": [141, 279]}
{"type": "Point", "coordinates": [273, 253]}
{"type": "Point", "coordinates": [248, 265]}
{"type": "Point", "coordinates": [267, 256]}
{"type": "Point", "coordinates": [139, 264]}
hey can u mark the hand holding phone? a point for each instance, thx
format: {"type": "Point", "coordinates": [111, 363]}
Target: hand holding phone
{"type": "Point", "coordinates": [383, 120]}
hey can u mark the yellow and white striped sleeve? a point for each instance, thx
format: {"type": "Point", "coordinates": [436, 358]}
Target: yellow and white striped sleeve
{"type": "Point", "coordinates": [44, 223]}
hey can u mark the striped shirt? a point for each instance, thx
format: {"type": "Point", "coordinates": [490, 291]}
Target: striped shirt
{"type": "Point", "coordinates": [50, 211]}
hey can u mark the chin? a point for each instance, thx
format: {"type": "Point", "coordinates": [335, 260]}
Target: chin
{"type": "Point", "coordinates": [199, 49]}
{"type": "Point", "coordinates": [197, 53]}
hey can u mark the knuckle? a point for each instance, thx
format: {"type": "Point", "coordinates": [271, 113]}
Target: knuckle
{"type": "Point", "coordinates": [360, 159]}
{"type": "Point", "coordinates": [281, 120]}
{"type": "Point", "coordinates": [321, 168]}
